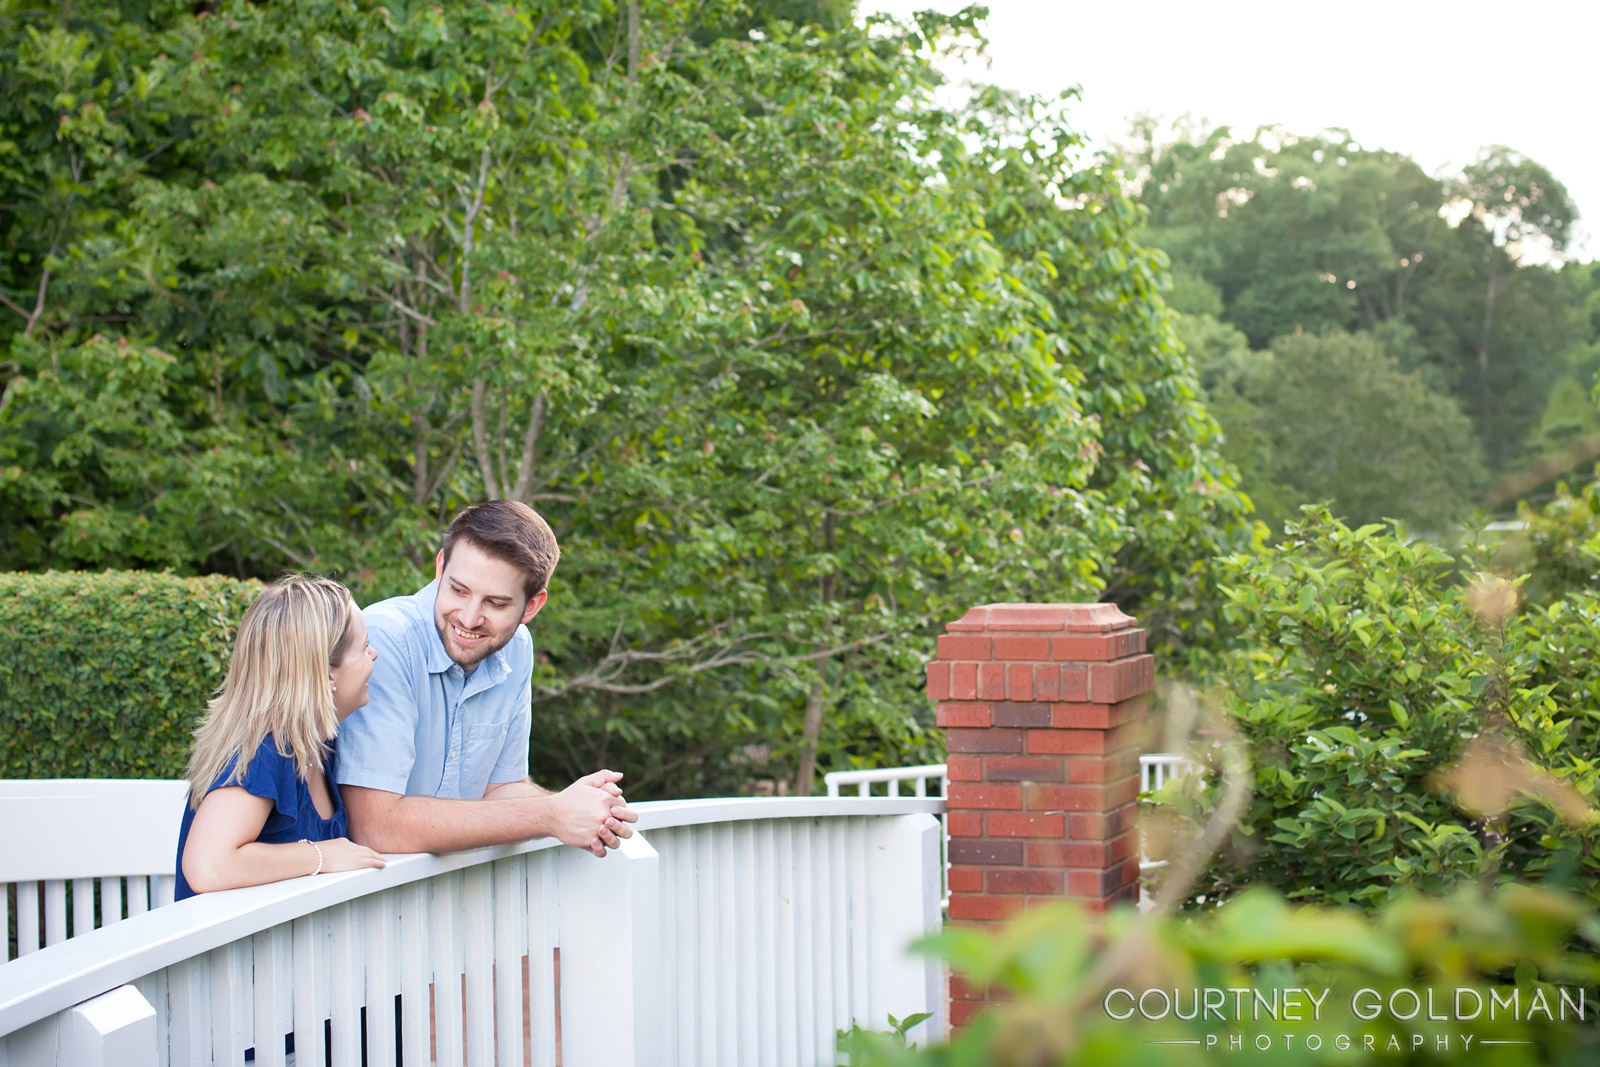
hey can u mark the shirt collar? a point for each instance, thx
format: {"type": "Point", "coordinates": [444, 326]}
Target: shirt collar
{"type": "Point", "coordinates": [492, 671]}
{"type": "Point", "coordinates": [439, 660]}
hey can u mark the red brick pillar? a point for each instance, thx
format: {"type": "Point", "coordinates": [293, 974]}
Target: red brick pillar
{"type": "Point", "coordinates": [1042, 706]}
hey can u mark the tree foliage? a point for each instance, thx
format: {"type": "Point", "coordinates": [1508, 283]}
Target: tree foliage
{"type": "Point", "coordinates": [1334, 416]}
{"type": "Point", "coordinates": [798, 362]}
{"type": "Point", "coordinates": [1459, 280]}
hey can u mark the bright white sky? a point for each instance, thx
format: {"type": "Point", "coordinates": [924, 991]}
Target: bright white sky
{"type": "Point", "coordinates": [1436, 80]}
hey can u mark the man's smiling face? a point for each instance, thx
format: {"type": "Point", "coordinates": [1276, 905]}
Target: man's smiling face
{"type": "Point", "coordinates": [481, 603]}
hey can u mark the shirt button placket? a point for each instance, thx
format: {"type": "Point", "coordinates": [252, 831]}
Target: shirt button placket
{"type": "Point", "coordinates": [452, 765]}
{"type": "Point", "coordinates": [455, 747]}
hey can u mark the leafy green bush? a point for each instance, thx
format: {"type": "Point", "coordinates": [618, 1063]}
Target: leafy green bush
{"type": "Point", "coordinates": [1406, 729]}
{"type": "Point", "coordinates": [1071, 981]}
{"type": "Point", "coordinates": [104, 675]}
{"type": "Point", "coordinates": [1560, 549]}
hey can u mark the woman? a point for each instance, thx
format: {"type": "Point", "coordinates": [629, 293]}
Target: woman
{"type": "Point", "coordinates": [263, 804]}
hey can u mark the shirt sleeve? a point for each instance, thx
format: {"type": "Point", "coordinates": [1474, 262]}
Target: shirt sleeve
{"type": "Point", "coordinates": [378, 742]}
{"type": "Point", "coordinates": [512, 766]}
{"type": "Point", "coordinates": [268, 775]}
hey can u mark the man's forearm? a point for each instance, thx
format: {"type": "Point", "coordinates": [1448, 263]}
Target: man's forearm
{"type": "Point", "coordinates": [507, 790]}
{"type": "Point", "coordinates": [388, 822]}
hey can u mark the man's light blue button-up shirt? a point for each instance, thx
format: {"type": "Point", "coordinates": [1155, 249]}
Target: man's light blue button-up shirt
{"type": "Point", "coordinates": [430, 729]}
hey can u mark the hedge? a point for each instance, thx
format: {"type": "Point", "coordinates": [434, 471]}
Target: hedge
{"type": "Point", "coordinates": [103, 675]}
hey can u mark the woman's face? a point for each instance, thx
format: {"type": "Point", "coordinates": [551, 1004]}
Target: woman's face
{"type": "Point", "coordinates": [350, 677]}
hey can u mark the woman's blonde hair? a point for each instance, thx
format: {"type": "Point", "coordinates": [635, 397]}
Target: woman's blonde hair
{"type": "Point", "coordinates": [277, 682]}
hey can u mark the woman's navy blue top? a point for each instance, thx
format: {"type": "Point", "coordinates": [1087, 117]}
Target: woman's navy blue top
{"type": "Point", "coordinates": [293, 816]}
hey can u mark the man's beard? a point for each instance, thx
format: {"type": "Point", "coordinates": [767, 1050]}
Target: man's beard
{"type": "Point", "coordinates": [475, 655]}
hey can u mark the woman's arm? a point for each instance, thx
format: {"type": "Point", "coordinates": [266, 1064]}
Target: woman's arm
{"type": "Point", "coordinates": [222, 851]}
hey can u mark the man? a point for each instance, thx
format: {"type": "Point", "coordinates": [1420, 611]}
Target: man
{"type": "Point", "coordinates": [438, 758]}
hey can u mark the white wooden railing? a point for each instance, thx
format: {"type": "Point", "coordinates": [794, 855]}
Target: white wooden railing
{"type": "Point", "coordinates": [108, 845]}
{"type": "Point", "coordinates": [920, 778]}
{"type": "Point", "coordinates": [726, 932]}
{"type": "Point", "coordinates": [1156, 769]}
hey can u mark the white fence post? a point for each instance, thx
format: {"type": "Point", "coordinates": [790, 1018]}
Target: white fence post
{"type": "Point", "coordinates": [905, 906]}
{"type": "Point", "coordinates": [612, 990]}
{"type": "Point", "coordinates": [115, 1029]}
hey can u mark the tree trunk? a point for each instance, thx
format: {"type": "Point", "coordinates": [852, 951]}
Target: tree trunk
{"type": "Point", "coordinates": [530, 452]}
{"type": "Point", "coordinates": [810, 730]}
{"type": "Point", "coordinates": [419, 462]}
{"type": "Point", "coordinates": [480, 441]}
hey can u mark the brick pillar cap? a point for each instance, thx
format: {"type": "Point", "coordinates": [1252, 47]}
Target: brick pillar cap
{"type": "Point", "coordinates": [1046, 618]}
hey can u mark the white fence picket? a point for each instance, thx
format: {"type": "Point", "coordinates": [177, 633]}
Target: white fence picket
{"type": "Point", "coordinates": [836, 920]}
{"type": "Point", "coordinates": [477, 958]}
{"type": "Point", "coordinates": [725, 971]}
{"type": "Point", "coordinates": [55, 911]}
{"type": "Point", "coordinates": [448, 1022]}
{"type": "Point", "coordinates": [189, 1008]}
{"type": "Point", "coordinates": [230, 975]}
{"type": "Point", "coordinates": [746, 1017]}
{"type": "Point", "coordinates": [270, 991]}
{"type": "Point", "coordinates": [544, 933]}
{"type": "Point", "coordinates": [902, 903]}
{"type": "Point", "coordinates": [110, 900]}
{"type": "Point", "coordinates": [803, 888]}
{"type": "Point", "coordinates": [510, 948]}
{"type": "Point", "coordinates": [153, 987]}
{"type": "Point", "coordinates": [311, 1001]}
{"type": "Point", "coordinates": [765, 946]}
{"type": "Point", "coordinates": [138, 895]}
{"type": "Point", "coordinates": [415, 970]}
{"type": "Point", "coordinates": [82, 906]}
{"type": "Point", "coordinates": [344, 985]}
{"type": "Point", "coordinates": [375, 930]}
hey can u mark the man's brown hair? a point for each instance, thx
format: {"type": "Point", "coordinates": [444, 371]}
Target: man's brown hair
{"type": "Point", "coordinates": [512, 531]}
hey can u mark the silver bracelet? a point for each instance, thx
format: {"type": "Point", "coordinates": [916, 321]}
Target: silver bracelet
{"type": "Point", "coordinates": [313, 844]}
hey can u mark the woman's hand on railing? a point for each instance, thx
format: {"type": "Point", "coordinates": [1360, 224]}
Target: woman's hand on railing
{"type": "Point", "coordinates": [343, 854]}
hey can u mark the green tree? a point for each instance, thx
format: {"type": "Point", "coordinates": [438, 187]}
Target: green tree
{"type": "Point", "coordinates": [1294, 232]}
{"type": "Point", "coordinates": [1516, 203]}
{"type": "Point", "coordinates": [1333, 416]}
{"type": "Point", "coordinates": [1570, 418]}
{"type": "Point", "coordinates": [746, 315]}
{"type": "Point", "coordinates": [1320, 232]}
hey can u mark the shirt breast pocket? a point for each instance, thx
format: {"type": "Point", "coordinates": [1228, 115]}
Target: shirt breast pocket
{"type": "Point", "coordinates": [481, 753]}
